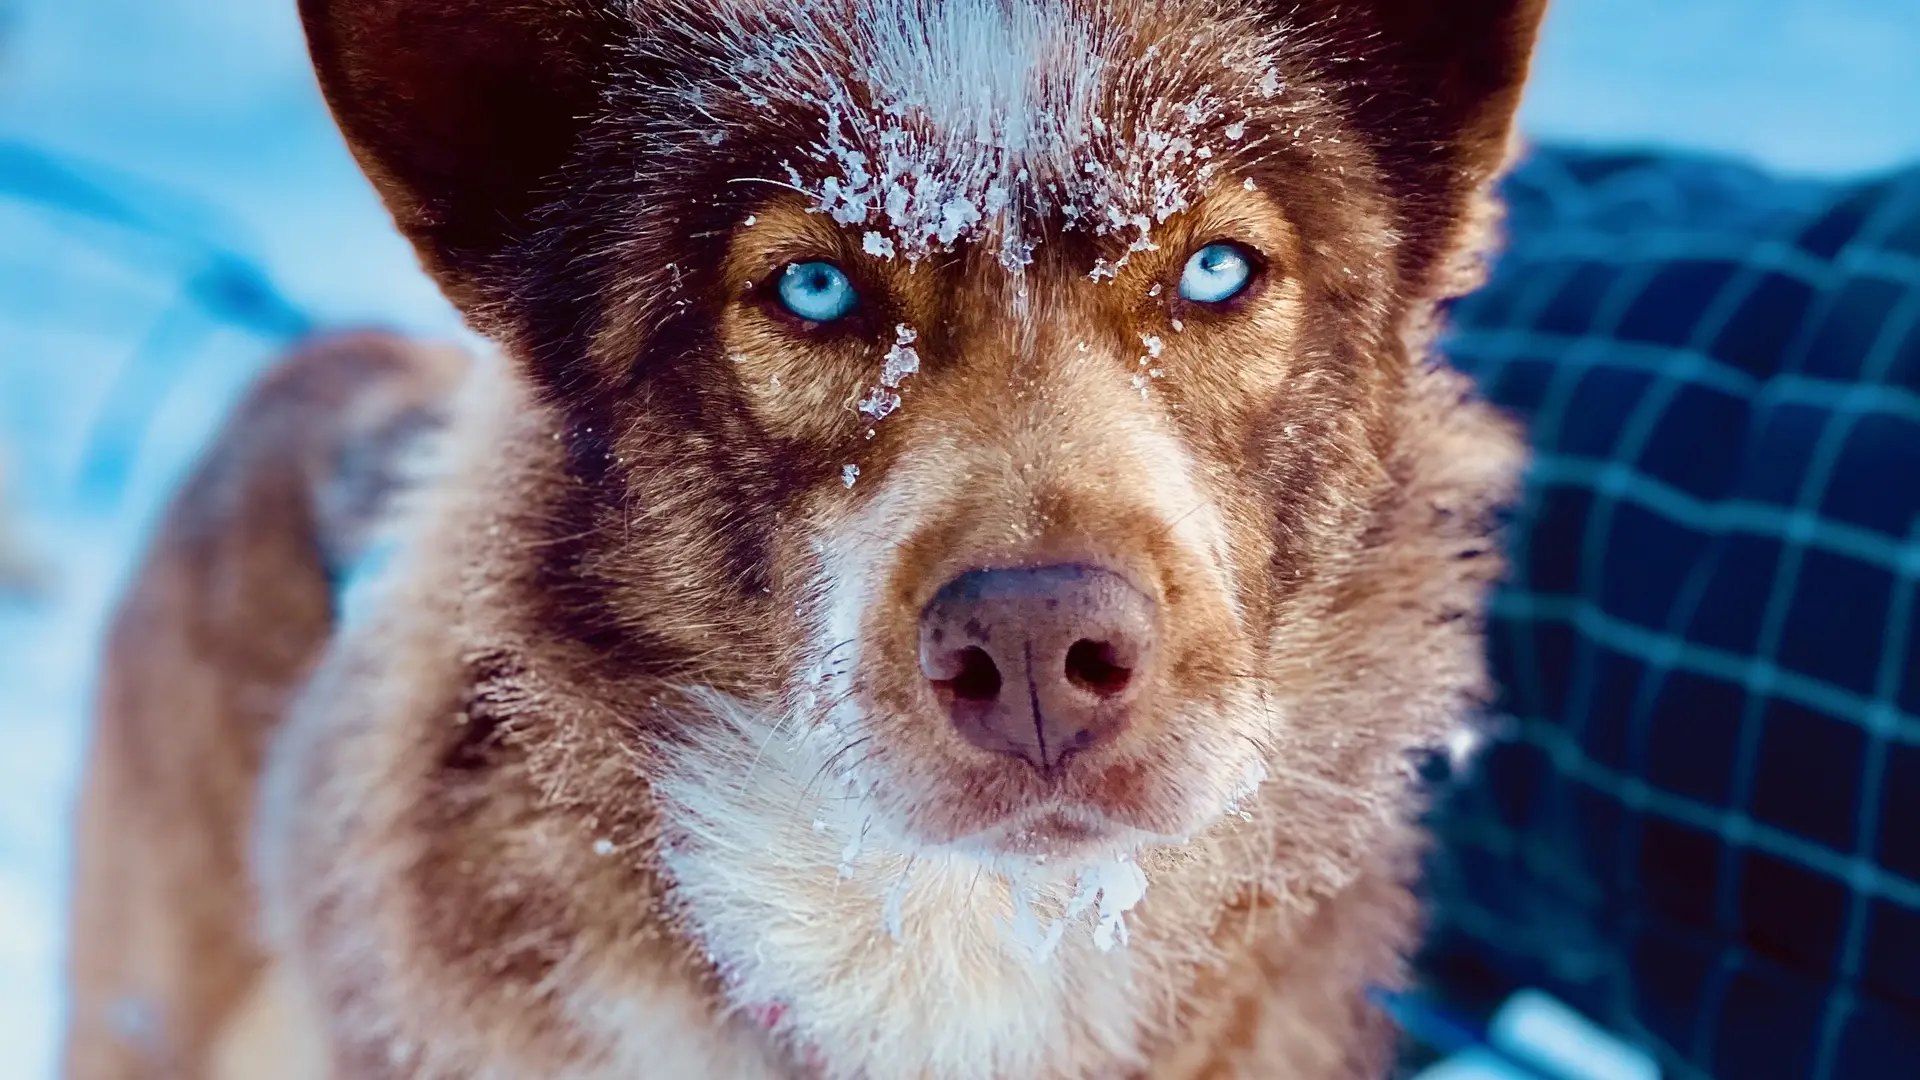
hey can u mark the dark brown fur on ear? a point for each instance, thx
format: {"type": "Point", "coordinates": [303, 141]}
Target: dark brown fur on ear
{"type": "Point", "coordinates": [1445, 77]}
{"type": "Point", "coordinates": [1433, 86]}
{"type": "Point", "coordinates": [461, 111]}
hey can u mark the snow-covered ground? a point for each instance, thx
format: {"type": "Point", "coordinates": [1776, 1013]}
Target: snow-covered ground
{"type": "Point", "coordinates": [200, 115]}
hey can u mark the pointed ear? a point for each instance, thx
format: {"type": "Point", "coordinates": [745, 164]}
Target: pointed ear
{"type": "Point", "coordinates": [1432, 86]}
{"type": "Point", "coordinates": [1449, 70]}
{"type": "Point", "coordinates": [462, 112]}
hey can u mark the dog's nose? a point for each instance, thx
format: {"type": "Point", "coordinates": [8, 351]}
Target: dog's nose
{"type": "Point", "coordinates": [1040, 663]}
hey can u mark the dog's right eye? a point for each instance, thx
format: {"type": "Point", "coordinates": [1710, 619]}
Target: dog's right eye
{"type": "Point", "coordinates": [816, 291]}
{"type": "Point", "coordinates": [1215, 274]}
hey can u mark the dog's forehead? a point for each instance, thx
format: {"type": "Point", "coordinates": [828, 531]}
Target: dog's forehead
{"type": "Point", "coordinates": [923, 123]}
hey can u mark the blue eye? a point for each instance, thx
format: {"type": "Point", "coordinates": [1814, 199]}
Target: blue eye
{"type": "Point", "coordinates": [1215, 273]}
{"type": "Point", "coordinates": [816, 291]}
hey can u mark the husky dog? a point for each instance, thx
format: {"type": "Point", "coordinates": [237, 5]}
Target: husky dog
{"type": "Point", "coordinates": [945, 581]}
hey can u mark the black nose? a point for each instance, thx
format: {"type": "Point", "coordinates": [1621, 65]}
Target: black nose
{"type": "Point", "coordinates": [1039, 664]}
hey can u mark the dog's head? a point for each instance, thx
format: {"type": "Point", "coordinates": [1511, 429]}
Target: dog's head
{"type": "Point", "coordinates": [1006, 393]}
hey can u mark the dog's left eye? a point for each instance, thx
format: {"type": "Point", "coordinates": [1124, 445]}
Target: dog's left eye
{"type": "Point", "coordinates": [1216, 273]}
{"type": "Point", "coordinates": [816, 291]}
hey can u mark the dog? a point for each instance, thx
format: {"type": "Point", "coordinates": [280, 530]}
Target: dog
{"type": "Point", "coordinates": [949, 577]}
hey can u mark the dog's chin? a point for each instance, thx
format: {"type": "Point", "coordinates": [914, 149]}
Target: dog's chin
{"type": "Point", "coordinates": [1062, 836]}
{"type": "Point", "coordinates": [1117, 810]}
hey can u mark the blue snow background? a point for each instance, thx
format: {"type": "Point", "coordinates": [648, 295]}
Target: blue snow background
{"type": "Point", "coordinates": [175, 204]}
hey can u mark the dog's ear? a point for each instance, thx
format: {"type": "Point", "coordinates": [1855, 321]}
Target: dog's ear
{"type": "Point", "coordinates": [462, 112]}
{"type": "Point", "coordinates": [1432, 76]}
{"type": "Point", "coordinates": [1432, 86]}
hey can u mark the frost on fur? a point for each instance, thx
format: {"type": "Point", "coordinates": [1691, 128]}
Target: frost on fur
{"type": "Point", "coordinates": [1029, 906]}
{"type": "Point", "coordinates": [901, 361]}
{"type": "Point", "coordinates": [972, 120]}
{"type": "Point", "coordinates": [1109, 888]}
{"type": "Point", "coordinates": [1251, 777]}
{"type": "Point", "coordinates": [931, 956]}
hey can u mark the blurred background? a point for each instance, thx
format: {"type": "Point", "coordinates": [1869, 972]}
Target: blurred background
{"type": "Point", "coordinates": [175, 206]}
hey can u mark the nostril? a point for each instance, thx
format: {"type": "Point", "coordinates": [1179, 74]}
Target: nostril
{"type": "Point", "coordinates": [1038, 663]}
{"type": "Point", "coordinates": [1096, 666]}
{"type": "Point", "coordinates": [977, 677]}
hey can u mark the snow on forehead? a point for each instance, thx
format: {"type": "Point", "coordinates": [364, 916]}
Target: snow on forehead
{"type": "Point", "coordinates": [947, 120]}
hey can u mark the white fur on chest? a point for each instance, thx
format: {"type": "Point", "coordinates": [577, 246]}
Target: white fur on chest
{"type": "Point", "coordinates": [875, 964]}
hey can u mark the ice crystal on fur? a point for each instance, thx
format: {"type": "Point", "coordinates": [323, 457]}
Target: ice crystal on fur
{"type": "Point", "coordinates": [855, 839]}
{"type": "Point", "coordinates": [893, 909]}
{"type": "Point", "coordinates": [969, 120]}
{"type": "Point", "coordinates": [901, 361]}
{"type": "Point", "coordinates": [879, 404]}
{"type": "Point", "coordinates": [1109, 889]}
{"type": "Point", "coordinates": [1120, 885]}
{"type": "Point", "coordinates": [1251, 778]}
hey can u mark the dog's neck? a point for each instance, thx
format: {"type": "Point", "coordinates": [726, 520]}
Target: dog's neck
{"type": "Point", "coordinates": [861, 952]}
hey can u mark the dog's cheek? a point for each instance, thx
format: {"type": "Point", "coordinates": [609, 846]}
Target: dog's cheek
{"type": "Point", "coordinates": [796, 390]}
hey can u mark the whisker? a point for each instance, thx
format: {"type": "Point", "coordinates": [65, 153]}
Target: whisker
{"type": "Point", "coordinates": [769, 180]}
{"type": "Point", "coordinates": [833, 760]}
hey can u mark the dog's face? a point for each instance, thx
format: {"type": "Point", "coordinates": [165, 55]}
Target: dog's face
{"type": "Point", "coordinates": [991, 389]}
{"type": "Point", "coordinates": [1034, 577]}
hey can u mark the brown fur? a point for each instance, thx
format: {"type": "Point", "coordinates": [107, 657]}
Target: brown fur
{"type": "Point", "coordinates": [228, 613]}
{"type": "Point", "coordinates": [548, 812]}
